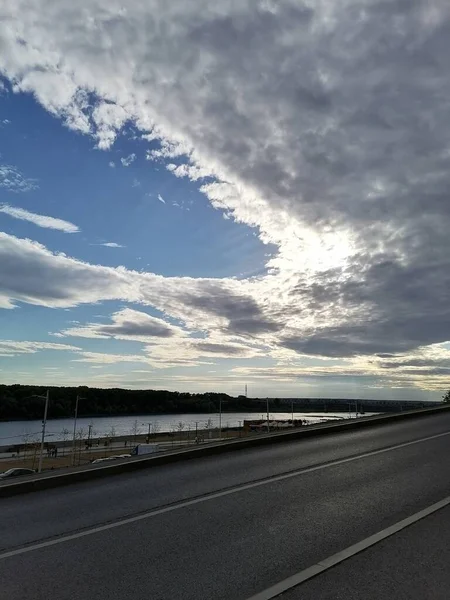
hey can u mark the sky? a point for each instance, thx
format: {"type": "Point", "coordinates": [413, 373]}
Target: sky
{"type": "Point", "coordinates": [201, 195]}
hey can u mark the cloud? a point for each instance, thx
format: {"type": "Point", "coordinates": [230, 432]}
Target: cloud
{"type": "Point", "coordinates": [110, 245]}
{"type": "Point", "coordinates": [242, 312]}
{"type": "Point", "coordinates": [39, 220]}
{"type": "Point", "coordinates": [161, 199]}
{"type": "Point", "coordinates": [15, 347]}
{"type": "Point", "coordinates": [188, 352]}
{"type": "Point", "coordinates": [337, 157]}
{"type": "Point", "coordinates": [167, 345]}
{"type": "Point", "coordinates": [126, 162]}
{"type": "Point", "coordinates": [112, 164]}
{"type": "Point", "coordinates": [127, 324]}
{"type": "Point", "coordinates": [104, 358]}
{"type": "Point", "coordinates": [12, 180]}
{"type": "Point", "coordinates": [226, 350]}
{"type": "Point", "coordinates": [31, 273]}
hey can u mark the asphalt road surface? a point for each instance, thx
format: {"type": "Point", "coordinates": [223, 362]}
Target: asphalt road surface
{"type": "Point", "coordinates": [412, 564]}
{"type": "Point", "coordinates": [231, 526]}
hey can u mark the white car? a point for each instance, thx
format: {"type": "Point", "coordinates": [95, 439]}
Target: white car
{"type": "Point", "coordinates": [16, 473]}
{"type": "Point", "coordinates": [107, 458]}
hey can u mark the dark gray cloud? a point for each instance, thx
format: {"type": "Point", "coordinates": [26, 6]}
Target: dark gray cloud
{"type": "Point", "coordinates": [242, 311]}
{"type": "Point", "coordinates": [227, 349]}
{"type": "Point", "coordinates": [385, 307]}
{"type": "Point", "coordinates": [416, 362]}
{"type": "Point", "coordinates": [137, 329]}
{"type": "Point", "coordinates": [127, 324]}
{"type": "Point", "coordinates": [30, 273]}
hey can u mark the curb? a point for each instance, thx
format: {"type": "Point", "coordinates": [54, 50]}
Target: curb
{"type": "Point", "coordinates": [51, 481]}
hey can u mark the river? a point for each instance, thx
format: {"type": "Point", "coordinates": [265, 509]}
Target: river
{"type": "Point", "coordinates": [17, 432]}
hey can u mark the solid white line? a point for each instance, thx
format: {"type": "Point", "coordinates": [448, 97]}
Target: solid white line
{"type": "Point", "coordinates": [335, 559]}
{"type": "Point", "coordinates": [212, 496]}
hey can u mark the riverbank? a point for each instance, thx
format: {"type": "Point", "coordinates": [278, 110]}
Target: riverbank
{"type": "Point", "coordinates": [13, 433]}
{"type": "Point", "coordinates": [85, 451]}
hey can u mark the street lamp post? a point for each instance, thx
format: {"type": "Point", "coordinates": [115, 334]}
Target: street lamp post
{"type": "Point", "coordinates": [44, 424]}
{"type": "Point", "coordinates": [268, 426]}
{"type": "Point", "coordinates": [220, 419]}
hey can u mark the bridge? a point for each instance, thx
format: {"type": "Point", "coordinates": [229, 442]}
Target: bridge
{"type": "Point", "coordinates": [362, 514]}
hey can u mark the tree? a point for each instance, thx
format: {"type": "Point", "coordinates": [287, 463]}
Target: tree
{"type": "Point", "coordinates": [110, 436]}
{"type": "Point", "coordinates": [156, 427]}
{"type": "Point", "coordinates": [36, 446]}
{"type": "Point", "coordinates": [446, 398]}
{"type": "Point", "coordinates": [64, 435]}
{"type": "Point", "coordinates": [208, 427]}
{"type": "Point", "coordinates": [80, 435]}
{"type": "Point", "coordinates": [173, 428]}
{"type": "Point", "coordinates": [135, 431]}
{"type": "Point", "coordinates": [26, 438]}
{"type": "Point", "coordinates": [180, 428]}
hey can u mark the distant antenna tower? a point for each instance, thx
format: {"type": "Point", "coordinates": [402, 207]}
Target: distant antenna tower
{"type": "Point", "coordinates": [246, 390]}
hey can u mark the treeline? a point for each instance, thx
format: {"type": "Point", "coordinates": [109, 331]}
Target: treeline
{"type": "Point", "coordinates": [20, 402]}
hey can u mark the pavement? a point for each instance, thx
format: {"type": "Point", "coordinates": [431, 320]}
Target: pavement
{"type": "Point", "coordinates": [230, 526]}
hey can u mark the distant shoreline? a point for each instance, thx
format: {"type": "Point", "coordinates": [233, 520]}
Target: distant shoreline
{"type": "Point", "coordinates": [26, 403]}
{"type": "Point", "coordinates": [297, 408]}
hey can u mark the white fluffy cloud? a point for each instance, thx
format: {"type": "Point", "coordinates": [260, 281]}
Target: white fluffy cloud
{"type": "Point", "coordinates": [39, 220]}
{"type": "Point", "coordinates": [14, 347]}
{"type": "Point", "coordinates": [126, 161]}
{"type": "Point", "coordinates": [12, 180]}
{"type": "Point", "coordinates": [320, 125]}
{"type": "Point", "coordinates": [111, 245]}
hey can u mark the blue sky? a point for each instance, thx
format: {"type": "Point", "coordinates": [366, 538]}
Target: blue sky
{"type": "Point", "coordinates": [239, 200]}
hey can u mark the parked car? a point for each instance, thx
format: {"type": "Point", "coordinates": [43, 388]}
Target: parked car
{"type": "Point", "coordinates": [16, 473]}
{"type": "Point", "coordinates": [100, 460]}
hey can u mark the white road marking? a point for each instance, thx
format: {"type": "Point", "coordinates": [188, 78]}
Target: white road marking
{"type": "Point", "coordinates": [335, 559]}
{"type": "Point", "coordinates": [212, 496]}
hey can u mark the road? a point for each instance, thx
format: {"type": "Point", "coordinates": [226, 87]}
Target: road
{"type": "Point", "coordinates": [231, 526]}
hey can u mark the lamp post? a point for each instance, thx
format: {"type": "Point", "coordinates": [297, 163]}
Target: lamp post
{"type": "Point", "coordinates": [44, 424]}
{"type": "Point", "coordinates": [268, 426]}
